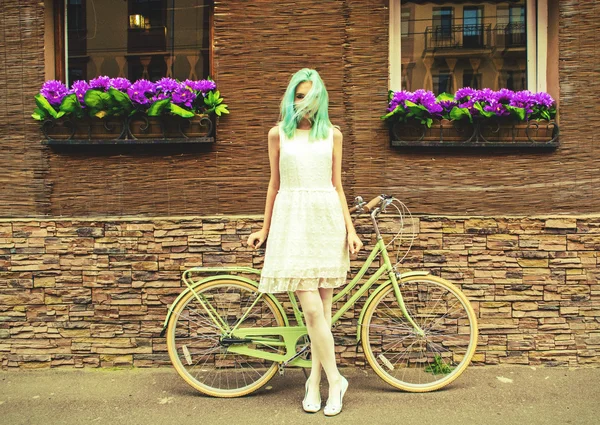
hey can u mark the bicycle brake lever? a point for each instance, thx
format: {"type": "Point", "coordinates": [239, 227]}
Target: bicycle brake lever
{"type": "Point", "coordinates": [387, 200]}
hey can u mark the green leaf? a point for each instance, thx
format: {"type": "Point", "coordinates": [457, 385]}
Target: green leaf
{"type": "Point", "coordinates": [519, 113]}
{"type": "Point", "coordinates": [428, 122]}
{"type": "Point", "coordinates": [45, 106]}
{"type": "Point", "coordinates": [178, 110]}
{"type": "Point", "coordinates": [71, 105]}
{"type": "Point", "coordinates": [483, 112]}
{"type": "Point", "coordinates": [93, 99]}
{"type": "Point", "coordinates": [212, 98]}
{"type": "Point", "coordinates": [39, 114]}
{"type": "Point", "coordinates": [445, 97]}
{"type": "Point", "coordinates": [221, 109]}
{"type": "Point", "coordinates": [394, 112]}
{"type": "Point", "coordinates": [158, 107]}
{"type": "Point", "coordinates": [100, 114]}
{"type": "Point", "coordinates": [416, 110]}
{"type": "Point", "coordinates": [122, 100]}
{"type": "Point", "coordinates": [458, 114]}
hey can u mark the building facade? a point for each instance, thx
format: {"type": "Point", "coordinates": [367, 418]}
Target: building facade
{"type": "Point", "coordinates": [93, 239]}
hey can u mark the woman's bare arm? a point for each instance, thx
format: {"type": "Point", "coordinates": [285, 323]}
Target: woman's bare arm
{"type": "Point", "coordinates": [256, 239]}
{"type": "Point", "coordinates": [336, 178]}
{"type": "Point", "coordinates": [274, 180]}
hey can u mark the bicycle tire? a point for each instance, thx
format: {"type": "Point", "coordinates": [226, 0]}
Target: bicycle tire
{"type": "Point", "coordinates": [193, 337]}
{"type": "Point", "coordinates": [420, 363]}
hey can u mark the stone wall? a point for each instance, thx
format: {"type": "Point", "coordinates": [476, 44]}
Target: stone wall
{"type": "Point", "coordinates": [95, 292]}
{"type": "Point", "coordinates": [257, 46]}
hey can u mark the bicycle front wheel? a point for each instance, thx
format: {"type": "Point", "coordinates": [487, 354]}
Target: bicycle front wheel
{"type": "Point", "coordinates": [198, 352]}
{"type": "Point", "coordinates": [420, 363]}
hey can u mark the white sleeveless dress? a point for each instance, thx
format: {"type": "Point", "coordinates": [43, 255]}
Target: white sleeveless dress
{"type": "Point", "coordinates": [307, 245]}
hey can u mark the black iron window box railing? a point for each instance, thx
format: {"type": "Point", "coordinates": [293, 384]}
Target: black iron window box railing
{"type": "Point", "coordinates": [480, 133]}
{"type": "Point", "coordinates": [137, 129]}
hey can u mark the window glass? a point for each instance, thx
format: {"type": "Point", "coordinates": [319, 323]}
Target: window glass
{"type": "Point", "coordinates": [452, 45]}
{"type": "Point", "coordinates": [137, 39]}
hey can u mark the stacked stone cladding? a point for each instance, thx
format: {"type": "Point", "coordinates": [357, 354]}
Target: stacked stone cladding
{"type": "Point", "coordinates": [95, 292]}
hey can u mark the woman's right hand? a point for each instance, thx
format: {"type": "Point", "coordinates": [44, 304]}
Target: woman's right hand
{"type": "Point", "coordinates": [256, 239]}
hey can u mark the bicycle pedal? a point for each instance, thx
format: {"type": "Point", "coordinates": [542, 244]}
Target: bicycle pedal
{"type": "Point", "coordinates": [281, 369]}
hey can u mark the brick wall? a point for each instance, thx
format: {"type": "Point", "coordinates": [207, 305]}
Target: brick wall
{"type": "Point", "coordinates": [95, 292]}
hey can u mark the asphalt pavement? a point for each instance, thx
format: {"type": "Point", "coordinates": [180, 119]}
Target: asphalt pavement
{"type": "Point", "coordinates": [482, 395]}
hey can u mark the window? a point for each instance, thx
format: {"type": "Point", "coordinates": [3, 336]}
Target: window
{"type": "Point", "coordinates": [500, 44]}
{"type": "Point", "coordinates": [133, 38]}
{"type": "Point", "coordinates": [472, 29]}
{"type": "Point", "coordinates": [472, 80]}
{"type": "Point", "coordinates": [442, 22]}
{"type": "Point", "coordinates": [442, 82]}
{"type": "Point", "coordinates": [406, 19]}
{"type": "Point", "coordinates": [511, 26]}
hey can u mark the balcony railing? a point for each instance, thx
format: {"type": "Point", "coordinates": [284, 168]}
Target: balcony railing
{"type": "Point", "coordinates": [510, 35]}
{"type": "Point", "coordinates": [475, 36]}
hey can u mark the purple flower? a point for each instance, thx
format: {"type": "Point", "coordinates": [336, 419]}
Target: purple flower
{"type": "Point", "coordinates": [543, 99]}
{"type": "Point", "coordinates": [399, 98]}
{"type": "Point", "coordinates": [120, 83]}
{"type": "Point", "coordinates": [483, 95]}
{"type": "Point", "coordinates": [428, 100]}
{"type": "Point", "coordinates": [203, 86]}
{"type": "Point", "coordinates": [498, 108]}
{"type": "Point", "coordinates": [183, 96]}
{"type": "Point", "coordinates": [447, 105]}
{"type": "Point", "coordinates": [167, 85]}
{"type": "Point", "coordinates": [160, 96]}
{"type": "Point", "coordinates": [54, 91]}
{"type": "Point", "coordinates": [141, 92]}
{"type": "Point", "coordinates": [102, 82]}
{"type": "Point", "coordinates": [79, 88]}
{"type": "Point", "coordinates": [523, 99]}
{"type": "Point", "coordinates": [464, 95]}
{"type": "Point", "coordinates": [504, 96]}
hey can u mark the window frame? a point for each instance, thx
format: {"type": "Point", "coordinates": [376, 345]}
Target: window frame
{"type": "Point", "coordinates": [537, 46]}
{"type": "Point", "coordinates": [58, 11]}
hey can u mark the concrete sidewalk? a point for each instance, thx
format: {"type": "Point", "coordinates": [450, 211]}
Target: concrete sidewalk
{"type": "Point", "coordinates": [482, 395]}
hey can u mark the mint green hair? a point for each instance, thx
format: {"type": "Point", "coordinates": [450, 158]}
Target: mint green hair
{"type": "Point", "coordinates": [315, 104]}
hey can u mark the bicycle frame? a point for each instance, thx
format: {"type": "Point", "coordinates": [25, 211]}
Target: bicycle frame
{"type": "Point", "coordinates": [292, 334]}
{"type": "Point", "coordinates": [288, 336]}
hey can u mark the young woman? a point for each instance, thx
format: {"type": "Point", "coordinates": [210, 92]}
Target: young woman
{"type": "Point", "coordinates": [308, 224]}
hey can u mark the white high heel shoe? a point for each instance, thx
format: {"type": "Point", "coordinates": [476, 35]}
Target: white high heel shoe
{"type": "Point", "coordinates": [333, 409]}
{"type": "Point", "coordinates": [310, 407]}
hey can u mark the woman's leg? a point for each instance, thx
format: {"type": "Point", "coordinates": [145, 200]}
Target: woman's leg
{"type": "Point", "coordinates": [322, 344]}
{"type": "Point", "coordinates": [315, 372]}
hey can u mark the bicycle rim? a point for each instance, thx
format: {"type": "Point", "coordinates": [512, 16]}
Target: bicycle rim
{"type": "Point", "coordinates": [194, 339]}
{"type": "Point", "coordinates": [416, 363]}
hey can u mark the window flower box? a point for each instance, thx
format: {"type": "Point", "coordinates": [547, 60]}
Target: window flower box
{"type": "Point", "coordinates": [475, 118]}
{"type": "Point", "coordinates": [115, 111]}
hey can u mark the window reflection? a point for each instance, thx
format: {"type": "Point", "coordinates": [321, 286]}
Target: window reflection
{"type": "Point", "coordinates": [138, 39]}
{"type": "Point", "coordinates": [446, 46]}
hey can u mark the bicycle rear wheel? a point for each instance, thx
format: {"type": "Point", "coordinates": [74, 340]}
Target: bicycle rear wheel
{"type": "Point", "coordinates": [195, 346]}
{"type": "Point", "coordinates": [416, 363]}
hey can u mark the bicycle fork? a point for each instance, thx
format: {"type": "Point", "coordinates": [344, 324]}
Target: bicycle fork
{"type": "Point", "coordinates": [392, 276]}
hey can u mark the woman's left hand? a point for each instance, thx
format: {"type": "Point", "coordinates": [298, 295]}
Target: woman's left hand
{"type": "Point", "coordinates": [354, 243]}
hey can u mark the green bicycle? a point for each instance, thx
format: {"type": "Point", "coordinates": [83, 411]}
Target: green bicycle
{"type": "Point", "coordinates": [226, 339]}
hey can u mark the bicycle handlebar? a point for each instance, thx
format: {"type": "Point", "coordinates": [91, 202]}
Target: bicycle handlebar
{"type": "Point", "coordinates": [368, 206]}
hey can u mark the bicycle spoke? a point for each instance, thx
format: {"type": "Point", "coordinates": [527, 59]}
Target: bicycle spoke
{"type": "Point", "coordinates": [208, 363]}
{"type": "Point", "coordinates": [398, 352]}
